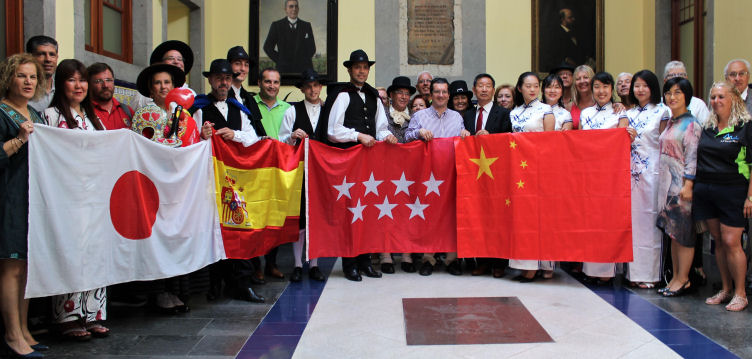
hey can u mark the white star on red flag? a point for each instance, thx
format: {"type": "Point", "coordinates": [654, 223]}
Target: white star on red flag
{"type": "Point", "coordinates": [416, 209]}
{"type": "Point", "coordinates": [385, 209]}
{"type": "Point", "coordinates": [432, 185]}
{"type": "Point", "coordinates": [344, 188]}
{"type": "Point", "coordinates": [402, 184]}
{"type": "Point", "coordinates": [357, 211]}
{"type": "Point", "coordinates": [371, 185]}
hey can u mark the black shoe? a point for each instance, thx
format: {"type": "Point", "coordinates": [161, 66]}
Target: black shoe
{"type": "Point", "coordinates": [454, 268]}
{"type": "Point", "coordinates": [248, 295]}
{"type": "Point", "coordinates": [679, 292]}
{"type": "Point", "coordinates": [387, 268]}
{"type": "Point", "coordinates": [297, 274]}
{"type": "Point", "coordinates": [605, 283]}
{"type": "Point", "coordinates": [370, 272]}
{"type": "Point", "coordinates": [353, 275]}
{"type": "Point", "coordinates": [182, 308]}
{"type": "Point", "coordinates": [255, 280]}
{"type": "Point", "coordinates": [426, 269]}
{"type": "Point", "coordinates": [40, 347]}
{"type": "Point", "coordinates": [522, 279]}
{"type": "Point", "coordinates": [215, 291]}
{"type": "Point", "coordinates": [407, 267]}
{"type": "Point", "coordinates": [315, 274]}
{"type": "Point", "coordinates": [12, 353]}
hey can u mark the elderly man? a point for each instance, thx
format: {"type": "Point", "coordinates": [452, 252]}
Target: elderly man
{"type": "Point", "coordinates": [357, 116]}
{"type": "Point", "coordinates": [113, 114]}
{"type": "Point", "coordinates": [44, 50]}
{"type": "Point", "coordinates": [301, 121]}
{"type": "Point", "coordinates": [737, 72]}
{"type": "Point", "coordinates": [697, 107]}
{"type": "Point", "coordinates": [290, 41]}
{"type": "Point", "coordinates": [438, 121]}
{"type": "Point", "coordinates": [623, 82]}
{"type": "Point", "coordinates": [424, 86]}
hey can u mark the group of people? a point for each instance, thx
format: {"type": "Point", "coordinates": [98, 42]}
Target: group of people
{"type": "Point", "coordinates": [690, 163]}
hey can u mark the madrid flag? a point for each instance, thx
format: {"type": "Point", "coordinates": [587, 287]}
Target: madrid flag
{"type": "Point", "coordinates": [108, 207]}
{"type": "Point", "coordinates": [258, 195]}
{"type": "Point", "coordinates": [387, 198]}
{"type": "Point", "coordinates": [562, 196]}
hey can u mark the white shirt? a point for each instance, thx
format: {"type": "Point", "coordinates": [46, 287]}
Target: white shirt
{"type": "Point", "coordinates": [55, 119]}
{"type": "Point", "coordinates": [596, 117]}
{"type": "Point", "coordinates": [744, 94]}
{"type": "Point", "coordinates": [246, 135]}
{"type": "Point", "coordinates": [288, 121]}
{"type": "Point", "coordinates": [337, 132]}
{"type": "Point", "coordinates": [561, 115]}
{"type": "Point", "coordinates": [529, 118]}
{"type": "Point", "coordinates": [486, 110]}
{"type": "Point", "coordinates": [236, 90]}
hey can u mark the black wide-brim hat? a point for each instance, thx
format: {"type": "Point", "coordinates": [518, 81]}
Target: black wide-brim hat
{"type": "Point", "coordinates": [310, 75]}
{"type": "Point", "coordinates": [459, 87]}
{"type": "Point", "coordinates": [358, 56]}
{"type": "Point", "coordinates": [562, 66]}
{"type": "Point", "coordinates": [401, 82]}
{"type": "Point", "coordinates": [181, 47]}
{"type": "Point", "coordinates": [238, 53]}
{"type": "Point", "coordinates": [144, 78]}
{"type": "Point", "coordinates": [219, 66]}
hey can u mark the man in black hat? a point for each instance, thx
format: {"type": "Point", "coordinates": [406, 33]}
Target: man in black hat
{"type": "Point", "coordinates": [171, 52]}
{"type": "Point", "coordinates": [290, 41]}
{"type": "Point", "coordinates": [398, 116]}
{"type": "Point", "coordinates": [241, 63]}
{"type": "Point", "coordinates": [566, 73]}
{"type": "Point", "coordinates": [357, 116]}
{"type": "Point", "coordinates": [230, 118]}
{"type": "Point", "coordinates": [300, 121]}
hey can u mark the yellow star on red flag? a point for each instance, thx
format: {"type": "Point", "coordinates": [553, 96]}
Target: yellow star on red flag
{"type": "Point", "coordinates": [513, 145]}
{"type": "Point", "coordinates": [520, 184]}
{"type": "Point", "coordinates": [484, 163]}
{"type": "Point", "coordinates": [523, 164]}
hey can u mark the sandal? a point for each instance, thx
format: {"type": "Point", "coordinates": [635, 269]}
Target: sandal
{"type": "Point", "coordinates": [737, 304]}
{"type": "Point", "coordinates": [645, 285]}
{"type": "Point", "coordinates": [718, 298]}
{"type": "Point", "coordinates": [97, 330]}
{"type": "Point", "coordinates": [75, 332]}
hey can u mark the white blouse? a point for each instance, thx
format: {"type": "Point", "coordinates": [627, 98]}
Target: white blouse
{"type": "Point", "coordinates": [562, 116]}
{"type": "Point", "coordinates": [55, 119]}
{"type": "Point", "coordinates": [597, 117]}
{"type": "Point", "coordinates": [529, 118]}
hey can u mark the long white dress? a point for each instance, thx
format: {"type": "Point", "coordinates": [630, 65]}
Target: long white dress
{"type": "Point", "coordinates": [529, 118]}
{"type": "Point", "coordinates": [646, 236]}
{"type": "Point", "coordinates": [595, 118]}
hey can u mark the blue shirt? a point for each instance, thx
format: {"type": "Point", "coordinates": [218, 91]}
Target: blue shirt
{"type": "Point", "coordinates": [448, 124]}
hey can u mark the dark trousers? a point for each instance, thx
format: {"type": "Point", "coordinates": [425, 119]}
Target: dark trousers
{"type": "Point", "coordinates": [493, 262]}
{"type": "Point", "coordinates": [348, 263]}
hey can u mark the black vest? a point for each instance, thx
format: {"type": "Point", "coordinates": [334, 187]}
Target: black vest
{"type": "Point", "coordinates": [211, 113]}
{"type": "Point", "coordinates": [250, 103]}
{"type": "Point", "coordinates": [361, 116]}
{"type": "Point", "coordinates": [302, 121]}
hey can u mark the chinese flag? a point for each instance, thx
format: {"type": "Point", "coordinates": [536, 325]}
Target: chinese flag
{"type": "Point", "coordinates": [562, 196]}
{"type": "Point", "coordinates": [387, 198]}
{"type": "Point", "coordinates": [258, 195]}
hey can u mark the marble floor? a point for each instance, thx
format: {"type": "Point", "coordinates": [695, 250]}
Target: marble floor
{"type": "Point", "coordinates": [343, 319]}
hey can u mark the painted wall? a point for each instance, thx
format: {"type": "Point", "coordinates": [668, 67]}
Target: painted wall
{"type": "Point", "coordinates": [224, 29]}
{"type": "Point", "coordinates": [629, 43]}
{"type": "Point", "coordinates": [65, 29]}
{"type": "Point", "coordinates": [729, 40]}
{"type": "Point", "coordinates": [177, 21]}
{"type": "Point", "coordinates": [508, 28]}
{"type": "Point", "coordinates": [156, 22]}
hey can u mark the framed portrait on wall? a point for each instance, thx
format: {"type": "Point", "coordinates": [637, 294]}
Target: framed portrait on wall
{"type": "Point", "coordinates": [292, 36]}
{"type": "Point", "coordinates": [568, 31]}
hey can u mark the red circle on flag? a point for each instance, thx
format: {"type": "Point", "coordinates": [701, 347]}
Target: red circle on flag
{"type": "Point", "coordinates": [133, 205]}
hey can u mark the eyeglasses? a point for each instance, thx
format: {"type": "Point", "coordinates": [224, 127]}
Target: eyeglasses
{"type": "Point", "coordinates": [424, 81]}
{"type": "Point", "coordinates": [172, 58]}
{"type": "Point", "coordinates": [676, 74]}
{"type": "Point", "coordinates": [103, 81]}
{"type": "Point", "coordinates": [402, 92]}
{"type": "Point", "coordinates": [738, 74]}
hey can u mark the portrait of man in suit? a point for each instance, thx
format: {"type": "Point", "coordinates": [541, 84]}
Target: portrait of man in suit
{"type": "Point", "coordinates": [567, 33]}
{"type": "Point", "coordinates": [290, 42]}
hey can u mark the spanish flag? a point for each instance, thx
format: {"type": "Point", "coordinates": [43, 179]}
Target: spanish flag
{"type": "Point", "coordinates": [258, 195]}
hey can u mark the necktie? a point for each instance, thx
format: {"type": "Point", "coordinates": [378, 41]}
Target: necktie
{"type": "Point", "coordinates": [479, 123]}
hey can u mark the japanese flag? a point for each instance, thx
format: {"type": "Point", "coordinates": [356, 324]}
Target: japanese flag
{"type": "Point", "coordinates": [109, 207]}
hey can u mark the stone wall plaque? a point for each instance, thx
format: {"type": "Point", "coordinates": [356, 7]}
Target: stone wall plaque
{"type": "Point", "coordinates": [430, 32]}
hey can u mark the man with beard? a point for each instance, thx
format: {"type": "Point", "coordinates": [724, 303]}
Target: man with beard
{"type": "Point", "coordinates": [111, 112]}
{"type": "Point", "coordinates": [44, 50]}
{"type": "Point", "coordinates": [229, 118]}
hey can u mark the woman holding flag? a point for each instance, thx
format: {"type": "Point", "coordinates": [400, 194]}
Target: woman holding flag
{"type": "Point", "coordinates": [21, 79]}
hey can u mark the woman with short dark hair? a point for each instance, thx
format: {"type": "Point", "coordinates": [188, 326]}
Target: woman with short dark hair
{"type": "Point", "coordinates": [648, 117]}
{"type": "Point", "coordinates": [676, 168]}
{"type": "Point", "coordinates": [553, 89]}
